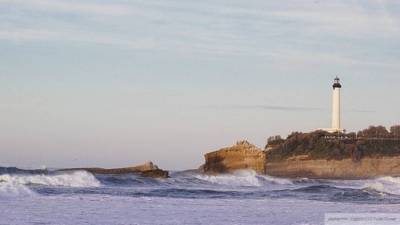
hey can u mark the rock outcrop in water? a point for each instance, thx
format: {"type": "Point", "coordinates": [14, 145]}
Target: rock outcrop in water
{"type": "Point", "coordinates": [148, 169]}
{"type": "Point", "coordinates": [15, 170]}
{"type": "Point", "coordinates": [243, 155]}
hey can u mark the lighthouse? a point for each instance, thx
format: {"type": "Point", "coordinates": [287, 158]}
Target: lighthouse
{"type": "Point", "coordinates": [336, 110]}
{"type": "Point", "coordinates": [336, 125]}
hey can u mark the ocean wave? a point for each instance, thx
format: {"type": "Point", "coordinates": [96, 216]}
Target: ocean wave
{"type": "Point", "coordinates": [238, 178]}
{"type": "Point", "coordinates": [191, 193]}
{"type": "Point", "coordinates": [244, 184]}
{"type": "Point", "coordinates": [330, 193]}
{"type": "Point", "coordinates": [276, 180]}
{"type": "Point", "coordinates": [70, 179]}
{"type": "Point", "coordinates": [12, 189]}
{"type": "Point", "coordinates": [127, 180]}
{"type": "Point", "coordinates": [389, 185]}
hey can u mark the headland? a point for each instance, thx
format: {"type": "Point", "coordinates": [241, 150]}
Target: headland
{"type": "Point", "coordinates": [369, 153]}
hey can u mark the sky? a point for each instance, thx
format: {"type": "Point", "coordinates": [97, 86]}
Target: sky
{"type": "Point", "coordinates": [120, 82]}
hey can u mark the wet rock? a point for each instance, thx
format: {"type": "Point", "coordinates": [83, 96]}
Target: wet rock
{"type": "Point", "coordinates": [147, 169]}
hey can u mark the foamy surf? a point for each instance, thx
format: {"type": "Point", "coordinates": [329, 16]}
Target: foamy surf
{"type": "Point", "coordinates": [12, 189]}
{"type": "Point", "coordinates": [276, 180]}
{"type": "Point", "coordinates": [72, 179]}
{"type": "Point", "coordinates": [238, 178]}
{"type": "Point", "coordinates": [389, 185]}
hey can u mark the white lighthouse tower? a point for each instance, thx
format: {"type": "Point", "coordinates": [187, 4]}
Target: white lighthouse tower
{"type": "Point", "coordinates": [336, 108]}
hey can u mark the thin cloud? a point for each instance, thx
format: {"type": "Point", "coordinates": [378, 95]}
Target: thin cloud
{"type": "Point", "coordinates": [283, 108]}
{"type": "Point", "coordinates": [71, 6]}
{"type": "Point", "coordinates": [160, 26]}
{"type": "Point", "coordinates": [341, 23]}
{"type": "Point", "coordinates": [361, 111]}
{"type": "Point", "coordinates": [344, 18]}
{"type": "Point", "coordinates": [21, 35]}
{"type": "Point", "coordinates": [266, 107]}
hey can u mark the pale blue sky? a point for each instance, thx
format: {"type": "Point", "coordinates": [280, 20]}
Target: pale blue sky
{"type": "Point", "coordinates": [115, 83]}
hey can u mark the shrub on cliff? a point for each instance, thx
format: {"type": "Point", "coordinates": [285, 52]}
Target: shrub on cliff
{"type": "Point", "coordinates": [395, 131]}
{"type": "Point", "coordinates": [376, 141]}
{"type": "Point", "coordinates": [374, 148]}
{"type": "Point", "coordinates": [275, 140]}
{"type": "Point", "coordinates": [315, 145]}
{"type": "Point", "coordinates": [374, 132]}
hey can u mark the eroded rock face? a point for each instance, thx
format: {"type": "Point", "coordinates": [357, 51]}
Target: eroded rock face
{"type": "Point", "coordinates": [243, 155]}
{"type": "Point", "coordinates": [321, 155]}
{"type": "Point", "coordinates": [368, 167]}
{"type": "Point", "coordinates": [147, 169]}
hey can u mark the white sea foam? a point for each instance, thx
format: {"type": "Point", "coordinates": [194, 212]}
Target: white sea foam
{"type": "Point", "coordinates": [385, 184]}
{"type": "Point", "coordinates": [238, 178]}
{"type": "Point", "coordinates": [73, 179]}
{"type": "Point", "coordinates": [12, 189]}
{"type": "Point", "coordinates": [276, 180]}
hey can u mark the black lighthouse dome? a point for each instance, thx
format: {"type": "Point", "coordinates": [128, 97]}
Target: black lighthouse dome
{"type": "Point", "coordinates": [337, 83]}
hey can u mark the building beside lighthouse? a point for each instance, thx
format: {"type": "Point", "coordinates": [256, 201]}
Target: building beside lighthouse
{"type": "Point", "coordinates": [336, 125]}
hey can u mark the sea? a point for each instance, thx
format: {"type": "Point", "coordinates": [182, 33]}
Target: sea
{"type": "Point", "coordinates": [42, 197]}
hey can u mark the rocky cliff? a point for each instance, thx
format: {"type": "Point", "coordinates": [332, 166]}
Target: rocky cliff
{"type": "Point", "coordinates": [334, 156]}
{"type": "Point", "coordinates": [373, 152]}
{"type": "Point", "coordinates": [147, 169]}
{"type": "Point", "coordinates": [367, 167]}
{"type": "Point", "coordinates": [243, 155]}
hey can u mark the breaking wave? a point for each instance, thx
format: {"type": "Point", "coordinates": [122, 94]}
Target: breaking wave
{"type": "Point", "coordinates": [238, 178]}
{"type": "Point", "coordinates": [276, 180]}
{"type": "Point", "coordinates": [389, 185]}
{"type": "Point", "coordinates": [11, 189]}
{"type": "Point", "coordinates": [246, 178]}
{"type": "Point", "coordinates": [73, 179]}
{"type": "Point", "coordinates": [23, 183]}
